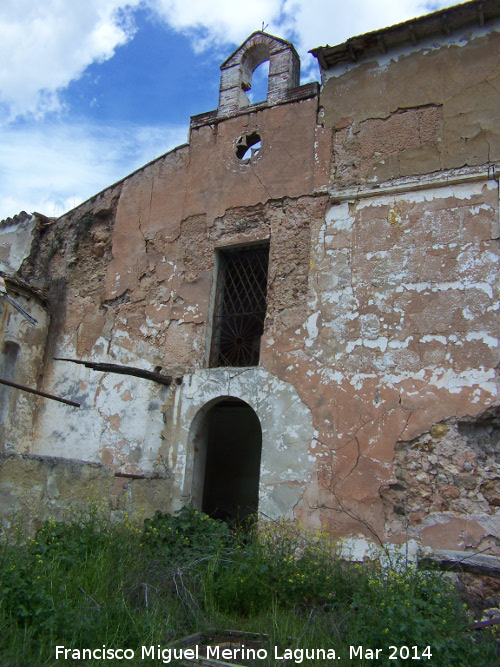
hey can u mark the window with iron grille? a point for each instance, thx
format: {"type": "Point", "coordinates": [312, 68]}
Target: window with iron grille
{"type": "Point", "coordinates": [240, 306]}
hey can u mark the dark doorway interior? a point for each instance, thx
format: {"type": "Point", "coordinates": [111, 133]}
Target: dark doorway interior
{"type": "Point", "coordinates": [232, 468]}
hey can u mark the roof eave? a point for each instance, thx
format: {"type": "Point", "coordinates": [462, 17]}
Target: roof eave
{"type": "Point", "coordinates": [442, 22]}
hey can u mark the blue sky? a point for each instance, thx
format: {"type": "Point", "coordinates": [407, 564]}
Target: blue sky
{"type": "Point", "coordinates": [90, 91]}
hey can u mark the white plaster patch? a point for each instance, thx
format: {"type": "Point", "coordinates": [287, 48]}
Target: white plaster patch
{"type": "Point", "coordinates": [370, 325]}
{"type": "Point", "coordinates": [331, 375]}
{"type": "Point", "coordinates": [338, 218]}
{"type": "Point", "coordinates": [285, 420]}
{"type": "Point", "coordinates": [357, 549]}
{"type": "Point", "coordinates": [150, 327]}
{"type": "Point", "coordinates": [428, 338]}
{"type": "Point", "coordinates": [400, 344]}
{"type": "Point", "coordinates": [481, 207]}
{"type": "Point", "coordinates": [379, 254]}
{"type": "Point", "coordinates": [312, 329]}
{"type": "Point", "coordinates": [358, 379]}
{"type": "Point", "coordinates": [380, 343]}
{"type": "Point", "coordinates": [461, 191]}
{"type": "Point", "coordinates": [456, 382]}
{"type": "Point", "coordinates": [352, 344]}
{"type": "Point", "coordinates": [444, 287]}
{"type": "Point", "coordinates": [417, 287]}
{"type": "Point", "coordinates": [121, 333]}
{"type": "Point", "coordinates": [453, 382]}
{"type": "Point", "coordinates": [483, 337]}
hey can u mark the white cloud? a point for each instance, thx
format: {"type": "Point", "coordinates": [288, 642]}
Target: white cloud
{"type": "Point", "coordinates": [308, 23]}
{"type": "Point", "coordinates": [318, 23]}
{"type": "Point", "coordinates": [210, 23]}
{"type": "Point", "coordinates": [52, 167]}
{"type": "Point", "coordinates": [313, 23]}
{"type": "Point", "coordinates": [49, 44]}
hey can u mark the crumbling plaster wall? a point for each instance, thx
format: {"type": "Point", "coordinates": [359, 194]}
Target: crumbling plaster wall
{"type": "Point", "coordinates": [287, 432]}
{"type": "Point", "coordinates": [382, 305]}
{"type": "Point", "coordinates": [403, 333]}
{"type": "Point", "coordinates": [404, 287]}
{"type": "Point", "coordinates": [421, 110]}
{"type": "Point", "coordinates": [134, 270]}
{"type": "Point", "coordinates": [21, 345]}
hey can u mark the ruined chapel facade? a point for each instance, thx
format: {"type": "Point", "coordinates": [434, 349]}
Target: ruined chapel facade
{"type": "Point", "coordinates": [311, 287]}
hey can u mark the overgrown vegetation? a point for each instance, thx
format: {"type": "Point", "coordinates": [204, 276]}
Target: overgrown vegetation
{"type": "Point", "coordinates": [89, 583]}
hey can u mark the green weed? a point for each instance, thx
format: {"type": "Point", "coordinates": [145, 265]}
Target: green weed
{"type": "Point", "coordinates": [88, 582]}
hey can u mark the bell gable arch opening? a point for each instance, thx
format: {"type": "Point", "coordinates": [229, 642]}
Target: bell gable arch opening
{"type": "Point", "coordinates": [251, 61]}
{"type": "Point", "coordinates": [237, 72]}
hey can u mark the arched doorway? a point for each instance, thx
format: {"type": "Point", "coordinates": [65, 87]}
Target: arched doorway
{"type": "Point", "coordinates": [228, 445]}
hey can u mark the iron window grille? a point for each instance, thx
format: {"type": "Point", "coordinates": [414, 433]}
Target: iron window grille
{"type": "Point", "coordinates": [240, 306]}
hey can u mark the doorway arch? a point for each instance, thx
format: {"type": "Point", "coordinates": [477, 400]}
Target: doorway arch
{"type": "Point", "coordinates": [227, 452]}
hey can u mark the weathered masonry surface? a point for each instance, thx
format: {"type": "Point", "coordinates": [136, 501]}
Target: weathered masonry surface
{"type": "Point", "coordinates": [367, 395]}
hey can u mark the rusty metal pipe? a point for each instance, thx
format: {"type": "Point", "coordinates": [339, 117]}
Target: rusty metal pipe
{"type": "Point", "coordinates": [39, 393]}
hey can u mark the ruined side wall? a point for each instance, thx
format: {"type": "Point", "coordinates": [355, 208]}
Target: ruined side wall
{"type": "Point", "coordinates": [16, 238]}
{"type": "Point", "coordinates": [22, 349]}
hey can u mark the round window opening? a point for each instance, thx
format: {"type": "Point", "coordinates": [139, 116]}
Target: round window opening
{"type": "Point", "coordinates": [248, 146]}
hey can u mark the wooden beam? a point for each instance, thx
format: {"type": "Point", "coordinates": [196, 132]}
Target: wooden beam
{"type": "Point", "coordinates": [461, 561]}
{"type": "Point", "coordinates": [122, 370]}
{"type": "Point", "coordinates": [480, 14]}
{"type": "Point", "coordinates": [352, 53]}
{"type": "Point", "coordinates": [413, 34]}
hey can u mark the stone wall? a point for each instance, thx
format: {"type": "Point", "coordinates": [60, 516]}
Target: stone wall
{"type": "Point", "coordinates": [145, 257]}
{"type": "Point", "coordinates": [448, 485]}
{"type": "Point", "coordinates": [34, 489]}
